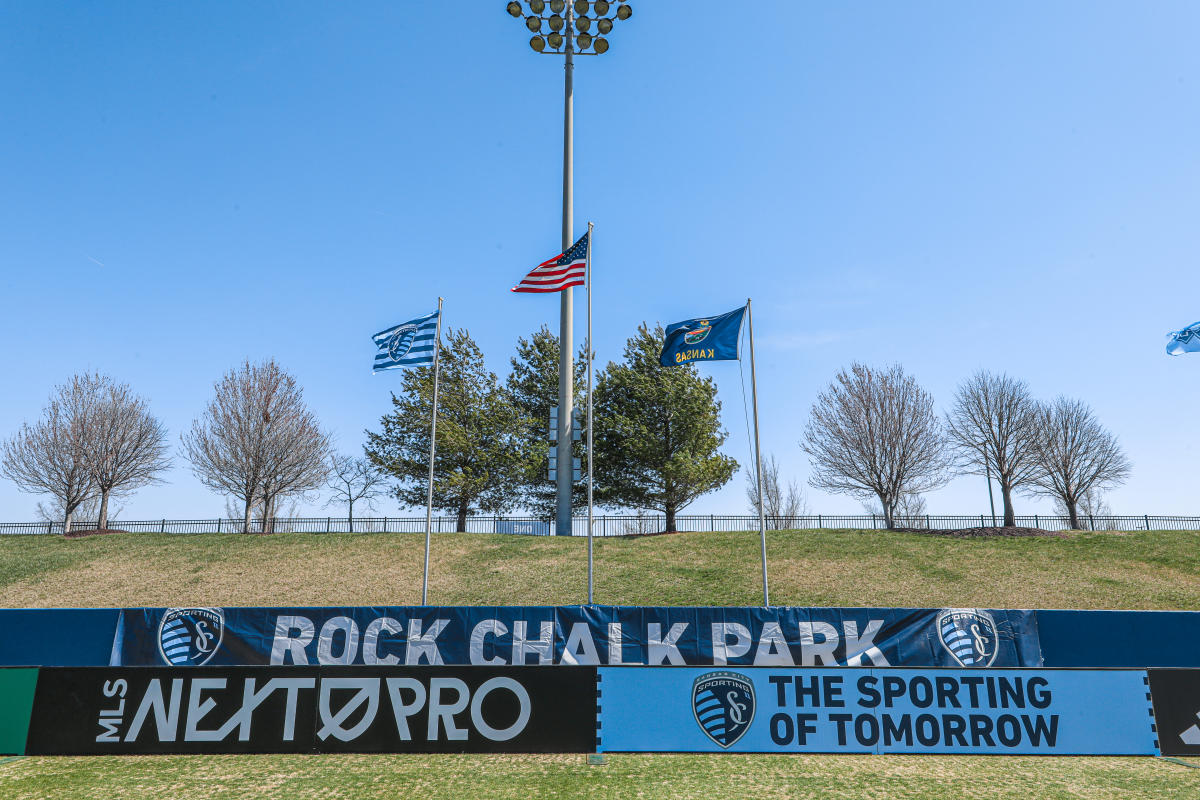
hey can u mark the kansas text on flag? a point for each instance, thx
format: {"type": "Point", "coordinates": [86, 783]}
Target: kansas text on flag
{"type": "Point", "coordinates": [565, 269]}
{"type": "Point", "coordinates": [703, 339]}
{"type": "Point", "coordinates": [409, 344]}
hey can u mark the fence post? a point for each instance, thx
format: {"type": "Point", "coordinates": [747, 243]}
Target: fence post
{"type": "Point", "coordinates": [1036, 524]}
{"type": "Point", "coordinates": [385, 525]}
{"type": "Point", "coordinates": [218, 524]}
{"type": "Point", "coordinates": [163, 527]}
{"type": "Point", "coordinates": [1147, 522]}
{"type": "Point", "coordinates": [981, 520]}
{"type": "Point", "coordinates": [872, 520]}
{"type": "Point", "coordinates": [819, 523]}
{"type": "Point", "coordinates": [1091, 522]}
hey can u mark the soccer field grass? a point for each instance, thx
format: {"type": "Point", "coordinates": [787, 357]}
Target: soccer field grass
{"type": "Point", "coordinates": [447, 777]}
{"type": "Point", "coordinates": [1151, 570]}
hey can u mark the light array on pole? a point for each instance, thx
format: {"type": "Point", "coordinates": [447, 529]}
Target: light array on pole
{"type": "Point", "coordinates": [548, 22]}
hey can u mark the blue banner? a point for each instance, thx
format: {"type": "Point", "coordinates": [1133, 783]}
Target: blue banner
{"type": "Point", "coordinates": [763, 710]}
{"type": "Point", "coordinates": [578, 635]}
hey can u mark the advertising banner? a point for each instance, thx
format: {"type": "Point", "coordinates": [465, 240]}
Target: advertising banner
{"type": "Point", "coordinates": [577, 635]}
{"type": "Point", "coordinates": [1176, 696]}
{"type": "Point", "coordinates": [762, 710]}
{"type": "Point", "coordinates": [312, 709]}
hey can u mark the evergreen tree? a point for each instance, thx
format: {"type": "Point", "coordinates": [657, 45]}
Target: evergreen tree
{"type": "Point", "coordinates": [477, 462]}
{"type": "Point", "coordinates": [533, 387]}
{"type": "Point", "coordinates": [658, 430]}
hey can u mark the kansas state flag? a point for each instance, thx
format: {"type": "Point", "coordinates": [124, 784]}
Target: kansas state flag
{"type": "Point", "coordinates": [409, 344]}
{"type": "Point", "coordinates": [703, 339]}
{"type": "Point", "coordinates": [1184, 341]}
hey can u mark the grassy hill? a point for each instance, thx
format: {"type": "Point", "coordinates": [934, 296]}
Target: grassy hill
{"type": "Point", "coordinates": [1143, 570]}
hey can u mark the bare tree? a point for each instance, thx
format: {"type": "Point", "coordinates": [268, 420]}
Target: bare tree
{"type": "Point", "coordinates": [993, 428]}
{"type": "Point", "coordinates": [782, 506]}
{"type": "Point", "coordinates": [125, 445]}
{"type": "Point", "coordinates": [1094, 507]}
{"type": "Point", "coordinates": [874, 433]}
{"type": "Point", "coordinates": [910, 511]}
{"type": "Point", "coordinates": [257, 441]}
{"type": "Point", "coordinates": [88, 510]}
{"type": "Point", "coordinates": [49, 457]}
{"type": "Point", "coordinates": [1076, 455]}
{"type": "Point", "coordinates": [354, 480]}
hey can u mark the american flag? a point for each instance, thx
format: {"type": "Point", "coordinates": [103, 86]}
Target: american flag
{"type": "Point", "coordinates": [565, 269]}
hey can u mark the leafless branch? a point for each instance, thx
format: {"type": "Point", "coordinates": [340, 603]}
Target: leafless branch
{"type": "Point", "coordinates": [1076, 455]}
{"type": "Point", "coordinates": [354, 480]}
{"type": "Point", "coordinates": [873, 433]}
{"type": "Point", "coordinates": [257, 441]}
{"type": "Point", "coordinates": [49, 457]}
{"type": "Point", "coordinates": [993, 427]}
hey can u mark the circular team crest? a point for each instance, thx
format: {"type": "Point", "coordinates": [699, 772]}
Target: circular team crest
{"type": "Point", "coordinates": [698, 334]}
{"type": "Point", "coordinates": [189, 637]}
{"type": "Point", "coordinates": [401, 341]}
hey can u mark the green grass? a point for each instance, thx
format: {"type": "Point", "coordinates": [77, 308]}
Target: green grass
{"type": "Point", "coordinates": [1146, 570]}
{"type": "Point", "coordinates": [386, 777]}
{"type": "Point", "coordinates": [1150, 570]}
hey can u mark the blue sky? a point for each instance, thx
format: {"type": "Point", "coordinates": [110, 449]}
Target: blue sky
{"type": "Point", "coordinates": [951, 186]}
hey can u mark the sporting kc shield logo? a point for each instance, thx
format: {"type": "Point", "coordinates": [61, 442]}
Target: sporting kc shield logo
{"type": "Point", "coordinates": [723, 703]}
{"type": "Point", "coordinates": [969, 634]}
{"type": "Point", "coordinates": [188, 637]}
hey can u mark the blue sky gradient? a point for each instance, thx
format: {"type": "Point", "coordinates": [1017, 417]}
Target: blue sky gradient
{"type": "Point", "coordinates": [950, 186]}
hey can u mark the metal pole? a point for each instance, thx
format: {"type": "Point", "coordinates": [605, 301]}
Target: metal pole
{"type": "Point", "coordinates": [762, 521]}
{"type": "Point", "coordinates": [589, 406]}
{"type": "Point", "coordinates": [987, 464]}
{"type": "Point", "coordinates": [566, 369]}
{"type": "Point", "coordinates": [437, 353]}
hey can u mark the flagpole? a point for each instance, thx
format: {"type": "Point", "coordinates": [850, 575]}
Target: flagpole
{"type": "Point", "coordinates": [437, 353]}
{"type": "Point", "coordinates": [762, 522]}
{"type": "Point", "coordinates": [590, 348]}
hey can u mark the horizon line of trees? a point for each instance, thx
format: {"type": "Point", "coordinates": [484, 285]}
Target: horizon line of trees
{"type": "Point", "coordinates": [873, 433]}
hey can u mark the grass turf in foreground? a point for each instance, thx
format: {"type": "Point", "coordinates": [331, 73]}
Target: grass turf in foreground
{"type": "Point", "coordinates": [623, 776]}
{"type": "Point", "coordinates": [1139, 570]}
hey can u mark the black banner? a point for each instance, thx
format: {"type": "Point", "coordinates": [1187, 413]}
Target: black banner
{"type": "Point", "coordinates": [1176, 697]}
{"type": "Point", "coordinates": [313, 709]}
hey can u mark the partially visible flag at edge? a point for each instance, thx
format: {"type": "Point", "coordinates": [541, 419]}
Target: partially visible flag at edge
{"type": "Point", "coordinates": [555, 274]}
{"type": "Point", "coordinates": [703, 339]}
{"type": "Point", "coordinates": [409, 344]}
{"type": "Point", "coordinates": [1184, 341]}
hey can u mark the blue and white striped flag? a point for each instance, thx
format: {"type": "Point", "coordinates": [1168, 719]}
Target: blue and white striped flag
{"type": "Point", "coordinates": [409, 344]}
{"type": "Point", "coordinates": [1184, 341]}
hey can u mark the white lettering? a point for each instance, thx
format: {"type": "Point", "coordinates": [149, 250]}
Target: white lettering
{"type": "Point", "coordinates": [487, 627]}
{"type": "Point", "coordinates": [196, 711]}
{"type": "Point", "coordinates": [500, 734]}
{"type": "Point", "coordinates": [424, 645]}
{"type": "Point", "coordinates": [859, 647]}
{"type": "Point", "coordinates": [580, 648]}
{"type": "Point", "coordinates": [723, 650]}
{"type": "Point", "coordinates": [371, 641]}
{"type": "Point", "coordinates": [543, 645]}
{"type": "Point", "coordinates": [166, 722]}
{"type": "Point", "coordinates": [772, 648]}
{"type": "Point", "coordinates": [331, 724]}
{"type": "Point", "coordinates": [401, 710]}
{"type": "Point", "coordinates": [660, 649]}
{"type": "Point", "coordinates": [813, 653]}
{"type": "Point", "coordinates": [285, 644]}
{"type": "Point", "coordinates": [442, 714]}
{"type": "Point", "coordinates": [325, 643]}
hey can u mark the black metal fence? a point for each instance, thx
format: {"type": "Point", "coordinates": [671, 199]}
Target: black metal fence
{"type": "Point", "coordinates": [606, 525]}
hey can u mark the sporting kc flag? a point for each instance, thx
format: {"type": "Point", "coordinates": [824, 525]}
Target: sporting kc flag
{"type": "Point", "coordinates": [565, 269]}
{"type": "Point", "coordinates": [409, 344]}
{"type": "Point", "coordinates": [703, 339]}
{"type": "Point", "coordinates": [1184, 341]}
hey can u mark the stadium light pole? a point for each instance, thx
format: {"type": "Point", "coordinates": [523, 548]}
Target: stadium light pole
{"type": "Point", "coordinates": [562, 28]}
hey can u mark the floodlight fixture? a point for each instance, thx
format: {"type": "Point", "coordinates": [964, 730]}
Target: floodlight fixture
{"type": "Point", "coordinates": [559, 16]}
